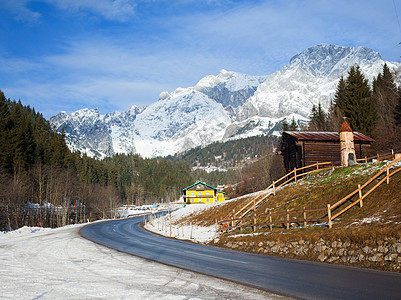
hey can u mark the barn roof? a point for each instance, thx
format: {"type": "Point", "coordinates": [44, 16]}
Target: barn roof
{"type": "Point", "coordinates": [326, 136]}
{"type": "Point", "coordinates": [320, 136]}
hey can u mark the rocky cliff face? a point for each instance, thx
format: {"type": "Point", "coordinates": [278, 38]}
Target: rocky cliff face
{"type": "Point", "coordinates": [225, 106]}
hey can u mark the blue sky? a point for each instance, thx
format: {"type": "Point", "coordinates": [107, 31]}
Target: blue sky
{"type": "Point", "coordinates": [64, 55]}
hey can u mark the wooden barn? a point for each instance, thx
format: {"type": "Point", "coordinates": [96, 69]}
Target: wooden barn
{"type": "Point", "coordinates": [302, 148]}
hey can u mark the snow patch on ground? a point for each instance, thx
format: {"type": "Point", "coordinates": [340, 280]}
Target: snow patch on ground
{"type": "Point", "coordinates": [195, 233]}
{"type": "Point", "coordinates": [60, 264]}
{"type": "Point", "coordinates": [366, 221]}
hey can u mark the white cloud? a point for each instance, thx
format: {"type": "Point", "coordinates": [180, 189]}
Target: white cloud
{"type": "Point", "coordinates": [117, 10]}
{"type": "Point", "coordinates": [20, 11]}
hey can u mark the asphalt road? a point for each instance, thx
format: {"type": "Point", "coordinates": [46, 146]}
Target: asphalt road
{"type": "Point", "coordinates": [295, 278]}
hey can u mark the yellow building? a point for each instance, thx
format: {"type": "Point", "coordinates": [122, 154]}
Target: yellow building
{"type": "Point", "coordinates": [201, 192]}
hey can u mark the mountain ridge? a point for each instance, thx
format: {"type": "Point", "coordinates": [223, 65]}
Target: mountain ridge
{"type": "Point", "coordinates": [220, 107]}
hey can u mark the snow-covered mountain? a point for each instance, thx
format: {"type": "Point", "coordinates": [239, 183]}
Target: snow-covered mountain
{"type": "Point", "coordinates": [98, 135]}
{"type": "Point", "coordinates": [310, 77]}
{"type": "Point", "coordinates": [226, 106]}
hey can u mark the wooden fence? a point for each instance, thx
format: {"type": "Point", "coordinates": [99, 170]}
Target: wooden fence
{"type": "Point", "coordinates": [270, 219]}
{"type": "Point", "coordinates": [393, 154]}
{"type": "Point", "coordinates": [266, 220]}
{"type": "Point", "coordinates": [359, 191]}
{"type": "Point", "coordinates": [294, 175]}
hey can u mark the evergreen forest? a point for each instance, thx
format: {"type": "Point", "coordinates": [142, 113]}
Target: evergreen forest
{"type": "Point", "coordinates": [43, 183]}
{"type": "Point", "coordinates": [229, 154]}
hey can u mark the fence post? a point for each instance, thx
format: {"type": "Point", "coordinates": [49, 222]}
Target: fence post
{"type": "Point", "coordinates": [392, 154]}
{"type": "Point", "coordinates": [288, 219]}
{"type": "Point", "coordinates": [295, 174]}
{"type": "Point", "coordinates": [232, 222]}
{"type": "Point", "coordinates": [274, 188]}
{"type": "Point", "coordinates": [270, 220]}
{"type": "Point", "coordinates": [317, 165]}
{"type": "Point", "coordinates": [360, 195]}
{"type": "Point", "coordinates": [388, 174]}
{"type": "Point", "coordinates": [304, 217]}
{"type": "Point", "coordinates": [170, 224]}
{"type": "Point", "coordinates": [329, 215]}
{"type": "Point", "coordinates": [254, 215]}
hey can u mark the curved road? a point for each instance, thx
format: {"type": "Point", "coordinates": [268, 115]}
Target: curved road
{"type": "Point", "coordinates": [301, 279]}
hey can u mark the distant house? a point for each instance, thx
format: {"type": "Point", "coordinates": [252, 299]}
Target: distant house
{"type": "Point", "coordinates": [201, 192]}
{"type": "Point", "coordinates": [302, 148]}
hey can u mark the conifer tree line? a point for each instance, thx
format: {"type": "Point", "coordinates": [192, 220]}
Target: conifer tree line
{"type": "Point", "coordinates": [43, 183]}
{"type": "Point", "coordinates": [229, 154]}
{"type": "Point", "coordinates": [373, 109]}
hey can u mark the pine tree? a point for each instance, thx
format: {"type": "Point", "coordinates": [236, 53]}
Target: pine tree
{"type": "Point", "coordinates": [42, 134]}
{"type": "Point", "coordinates": [313, 115]}
{"type": "Point", "coordinates": [318, 118]}
{"type": "Point", "coordinates": [354, 98]}
{"type": "Point", "coordinates": [388, 80]}
{"type": "Point", "coordinates": [5, 124]}
{"type": "Point", "coordinates": [385, 97]}
{"type": "Point", "coordinates": [339, 97]}
{"type": "Point", "coordinates": [284, 125]}
{"type": "Point", "coordinates": [4, 111]}
{"type": "Point", "coordinates": [397, 110]}
{"type": "Point", "coordinates": [293, 126]}
{"type": "Point", "coordinates": [21, 141]}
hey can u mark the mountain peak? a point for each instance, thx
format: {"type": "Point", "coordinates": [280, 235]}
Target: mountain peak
{"type": "Point", "coordinates": [321, 60]}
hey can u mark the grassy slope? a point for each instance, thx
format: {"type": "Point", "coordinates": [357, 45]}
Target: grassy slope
{"type": "Point", "coordinates": [379, 219]}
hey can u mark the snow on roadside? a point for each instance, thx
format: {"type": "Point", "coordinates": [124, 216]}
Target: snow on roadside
{"type": "Point", "coordinates": [195, 233]}
{"type": "Point", "coordinates": [60, 264]}
{"type": "Point", "coordinates": [24, 231]}
{"type": "Point", "coordinates": [191, 232]}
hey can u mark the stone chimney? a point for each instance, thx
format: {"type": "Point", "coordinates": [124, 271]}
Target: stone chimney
{"type": "Point", "coordinates": [348, 157]}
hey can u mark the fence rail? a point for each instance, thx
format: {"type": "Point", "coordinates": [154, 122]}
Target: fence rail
{"type": "Point", "coordinates": [379, 157]}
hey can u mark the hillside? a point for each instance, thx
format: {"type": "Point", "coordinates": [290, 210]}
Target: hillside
{"type": "Point", "coordinates": [368, 236]}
